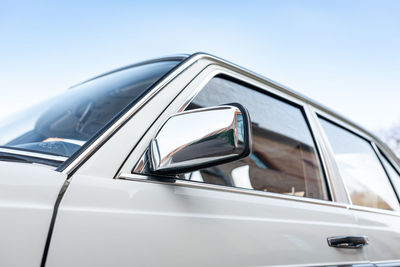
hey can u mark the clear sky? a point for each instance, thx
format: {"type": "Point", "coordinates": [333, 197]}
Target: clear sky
{"type": "Point", "coordinates": [344, 54]}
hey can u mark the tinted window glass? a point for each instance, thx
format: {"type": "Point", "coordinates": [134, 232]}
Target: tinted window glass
{"type": "Point", "coordinates": [283, 159]}
{"type": "Point", "coordinates": [61, 125]}
{"type": "Point", "coordinates": [360, 169]}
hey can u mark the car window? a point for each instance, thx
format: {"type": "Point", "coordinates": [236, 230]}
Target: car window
{"type": "Point", "coordinates": [391, 171]}
{"type": "Point", "coordinates": [360, 169]}
{"type": "Point", "coordinates": [61, 125]}
{"type": "Point", "coordinates": [283, 159]}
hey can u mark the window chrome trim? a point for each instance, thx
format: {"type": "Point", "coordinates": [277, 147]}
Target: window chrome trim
{"type": "Point", "coordinates": [199, 185]}
{"type": "Point", "coordinates": [294, 101]}
{"type": "Point", "coordinates": [262, 87]}
{"type": "Point", "coordinates": [315, 131]}
{"type": "Point", "coordinates": [33, 154]}
{"type": "Point", "coordinates": [333, 164]}
{"type": "Point", "coordinates": [343, 123]}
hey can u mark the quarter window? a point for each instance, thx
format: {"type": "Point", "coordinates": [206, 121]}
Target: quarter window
{"type": "Point", "coordinates": [283, 158]}
{"type": "Point", "coordinates": [360, 169]}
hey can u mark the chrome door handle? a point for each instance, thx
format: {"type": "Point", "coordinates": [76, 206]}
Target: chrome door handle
{"type": "Point", "coordinates": [347, 241]}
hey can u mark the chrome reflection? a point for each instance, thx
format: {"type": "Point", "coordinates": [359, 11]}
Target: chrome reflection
{"type": "Point", "coordinates": [200, 138]}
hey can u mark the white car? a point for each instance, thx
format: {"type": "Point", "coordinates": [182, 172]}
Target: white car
{"type": "Point", "coordinates": [193, 161]}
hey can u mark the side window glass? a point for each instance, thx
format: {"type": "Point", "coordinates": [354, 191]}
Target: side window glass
{"type": "Point", "coordinates": [284, 158]}
{"type": "Point", "coordinates": [391, 171]}
{"type": "Point", "coordinates": [360, 169]}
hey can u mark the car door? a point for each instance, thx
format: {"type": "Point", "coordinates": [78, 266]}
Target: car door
{"type": "Point", "coordinates": [273, 208]}
{"type": "Point", "coordinates": [28, 193]}
{"type": "Point", "coordinates": [365, 172]}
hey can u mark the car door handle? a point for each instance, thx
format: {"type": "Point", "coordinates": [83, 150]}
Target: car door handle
{"type": "Point", "coordinates": [347, 241]}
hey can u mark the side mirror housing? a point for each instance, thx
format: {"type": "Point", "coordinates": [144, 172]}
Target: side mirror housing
{"type": "Point", "coordinates": [201, 138]}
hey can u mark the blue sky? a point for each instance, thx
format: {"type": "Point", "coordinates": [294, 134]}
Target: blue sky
{"type": "Point", "coordinates": [344, 54]}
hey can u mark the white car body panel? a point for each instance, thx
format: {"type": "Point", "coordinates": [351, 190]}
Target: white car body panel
{"type": "Point", "coordinates": [115, 222]}
{"type": "Point", "coordinates": [383, 231]}
{"type": "Point", "coordinates": [27, 196]}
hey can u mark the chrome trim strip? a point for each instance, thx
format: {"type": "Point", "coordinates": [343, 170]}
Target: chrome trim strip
{"type": "Point", "coordinates": [200, 87]}
{"type": "Point", "coordinates": [316, 135]}
{"type": "Point", "coordinates": [194, 184]}
{"type": "Point", "coordinates": [33, 154]}
{"type": "Point", "coordinates": [53, 221]}
{"type": "Point", "coordinates": [333, 164]}
{"type": "Point", "coordinates": [323, 115]}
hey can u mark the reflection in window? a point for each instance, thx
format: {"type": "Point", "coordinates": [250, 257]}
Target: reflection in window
{"type": "Point", "coordinates": [360, 169]}
{"type": "Point", "coordinates": [283, 158]}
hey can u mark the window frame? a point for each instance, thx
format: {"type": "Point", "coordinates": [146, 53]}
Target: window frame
{"type": "Point", "coordinates": [212, 66]}
{"type": "Point", "coordinates": [270, 89]}
{"type": "Point", "coordinates": [300, 106]}
{"type": "Point", "coordinates": [373, 141]}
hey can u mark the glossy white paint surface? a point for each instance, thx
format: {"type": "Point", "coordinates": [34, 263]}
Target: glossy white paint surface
{"type": "Point", "coordinates": [113, 222]}
{"type": "Point", "coordinates": [27, 196]}
{"type": "Point", "coordinates": [383, 231]}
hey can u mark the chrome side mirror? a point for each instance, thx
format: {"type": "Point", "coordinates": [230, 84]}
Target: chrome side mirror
{"type": "Point", "coordinates": [201, 138]}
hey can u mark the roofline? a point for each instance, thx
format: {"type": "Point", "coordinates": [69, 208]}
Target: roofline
{"type": "Point", "coordinates": [287, 90]}
{"type": "Point", "coordinates": [177, 57]}
{"type": "Point", "coordinates": [269, 81]}
{"type": "Point", "coordinates": [202, 55]}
